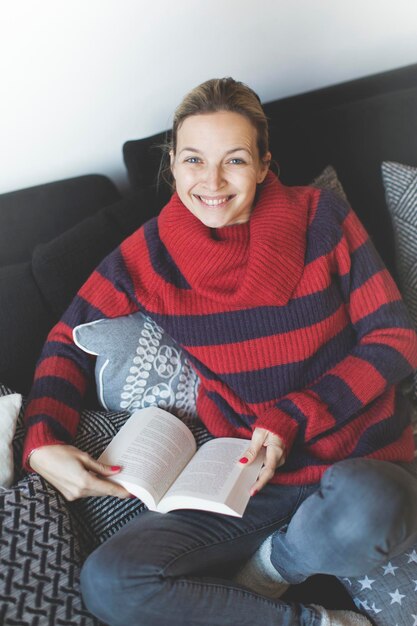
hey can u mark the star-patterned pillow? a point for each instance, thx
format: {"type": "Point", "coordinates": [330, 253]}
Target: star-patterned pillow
{"type": "Point", "coordinates": [388, 595]}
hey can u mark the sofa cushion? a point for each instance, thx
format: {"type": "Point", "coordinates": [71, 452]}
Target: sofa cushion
{"type": "Point", "coordinates": [37, 214]}
{"type": "Point", "coordinates": [35, 295]}
{"type": "Point", "coordinates": [40, 558]}
{"type": "Point", "coordinates": [138, 365]}
{"type": "Point", "coordinates": [400, 183]}
{"type": "Point", "coordinates": [328, 179]}
{"type": "Point", "coordinates": [40, 553]}
{"type": "Point", "coordinates": [10, 406]}
{"type": "Point", "coordinates": [62, 265]}
{"type": "Point", "coordinates": [25, 320]}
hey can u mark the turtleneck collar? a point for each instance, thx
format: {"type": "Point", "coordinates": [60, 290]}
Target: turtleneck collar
{"type": "Point", "coordinates": [252, 264]}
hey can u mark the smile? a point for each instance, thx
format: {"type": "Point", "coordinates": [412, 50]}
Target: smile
{"type": "Point", "coordinates": [214, 201]}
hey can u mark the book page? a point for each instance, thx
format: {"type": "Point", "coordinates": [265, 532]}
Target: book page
{"type": "Point", "coordinates": [212, 476]}
{"type": "Point", "coordinates": [152, 447]}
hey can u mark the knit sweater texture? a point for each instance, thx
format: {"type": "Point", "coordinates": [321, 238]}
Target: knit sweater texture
{"type": "Point", "coordinates": [291, 321]}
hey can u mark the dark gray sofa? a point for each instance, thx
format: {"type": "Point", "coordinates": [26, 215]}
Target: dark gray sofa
{"type": "Point", "coordinates": [51, 238]}
{"type": "Point", "coordinates": [62, 230]}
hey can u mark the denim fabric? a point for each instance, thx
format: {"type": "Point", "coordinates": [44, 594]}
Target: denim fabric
{"type": "Point", "coordinates": [176, 568]}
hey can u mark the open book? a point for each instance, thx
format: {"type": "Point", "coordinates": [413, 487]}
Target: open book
{"type": "Point", "coordinates": [162, 466]}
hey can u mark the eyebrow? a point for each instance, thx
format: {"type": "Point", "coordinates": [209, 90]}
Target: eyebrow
{"type": "Point", "coordinates": [189, 149]}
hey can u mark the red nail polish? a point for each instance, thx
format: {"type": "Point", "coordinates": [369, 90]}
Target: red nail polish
{"type": "Point", "coordinates": [243, 460]}
{"type": "Point", "coordinates": [131, 495]}
{"type": "Point", "coordinates": [115, 468]}
{"type": "Point", "coordinates": [255, 492]}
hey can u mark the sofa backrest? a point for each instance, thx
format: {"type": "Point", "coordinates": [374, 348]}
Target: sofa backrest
{"type": "Point", "coordinates": [38, 214]}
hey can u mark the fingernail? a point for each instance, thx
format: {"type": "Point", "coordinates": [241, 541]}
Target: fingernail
{"type": "Point", "coordinates": [131, 495]}
{"type": "Point", "coordinates": [243, 460]}
{"type": "Point", "coordinates": [115, 468]}
{"type": "Point", "coordinates": [255, 492]}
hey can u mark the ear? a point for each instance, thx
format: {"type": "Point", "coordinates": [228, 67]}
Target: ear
{"type": "Point", "coordinates": [264, 167]}
{"type": "Point", "coordinates": [172, 161]}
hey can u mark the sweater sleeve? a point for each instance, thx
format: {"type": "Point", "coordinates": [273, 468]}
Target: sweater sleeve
{"type": "Point", "coordinates": [385, 351]}
{"type": "Point", "coordinates": [63, 370]}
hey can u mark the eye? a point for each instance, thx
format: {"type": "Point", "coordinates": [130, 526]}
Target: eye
{"type": "Point", "coordinates": [237, 161]}
{"type": "Point", "coordinates": [193, 160]}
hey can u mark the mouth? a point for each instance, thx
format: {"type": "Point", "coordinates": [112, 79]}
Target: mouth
{"type": "Point", "coordinates": [214, 201]}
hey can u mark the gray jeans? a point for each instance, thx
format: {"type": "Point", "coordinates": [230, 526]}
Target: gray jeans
{"type": "Point", "coordinates": [176, 568]}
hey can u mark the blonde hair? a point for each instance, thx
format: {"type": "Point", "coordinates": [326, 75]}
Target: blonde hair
{"type": "Point", "coordinates": [217, 94]}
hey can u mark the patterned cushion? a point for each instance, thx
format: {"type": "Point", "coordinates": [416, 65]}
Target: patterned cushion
{"type": "Point", "coordinates": [40, 555]}
{"type": "Point", "coordinates": [388, 595]}
{"type": "Point", "coordinates": [400, 183]}
{"type": "Point", "coordinates": [40, 558]}
{"type": "Point", "coordinates": [138, 365]}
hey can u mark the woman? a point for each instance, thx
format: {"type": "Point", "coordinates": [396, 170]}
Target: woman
{"type": "Point", "coordinates": [299, 337]}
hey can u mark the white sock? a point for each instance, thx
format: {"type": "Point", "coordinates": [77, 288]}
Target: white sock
{"type": "Point", "coordinates": [341, 618]}
{"type": "Point", "coordinates": [259, 575]}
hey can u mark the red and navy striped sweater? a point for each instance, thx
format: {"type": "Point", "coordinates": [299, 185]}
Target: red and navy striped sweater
{"type": "Point", "coordinates": [291, 321]}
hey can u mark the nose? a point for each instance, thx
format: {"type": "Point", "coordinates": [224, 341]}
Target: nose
{"type": "Point", "coordinates": [214, 177]}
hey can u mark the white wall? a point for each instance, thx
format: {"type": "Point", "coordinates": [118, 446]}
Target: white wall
{"type": "Point", "coordinates": [80, 77]}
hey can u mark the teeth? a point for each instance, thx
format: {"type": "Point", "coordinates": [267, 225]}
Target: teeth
{"type": "Point", "coordinates": [213, 201]}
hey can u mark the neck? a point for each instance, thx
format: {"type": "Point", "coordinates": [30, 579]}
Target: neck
{"type": "Point", "coordinates": [257, 262]}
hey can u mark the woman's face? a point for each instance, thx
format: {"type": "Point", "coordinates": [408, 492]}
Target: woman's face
{"type": "Point", "coordinates": [217, 167]}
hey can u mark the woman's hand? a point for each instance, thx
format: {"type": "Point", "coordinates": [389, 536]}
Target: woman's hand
{"type": "Point", "coordinates": [75, 473]}
{"type": "Point", "coordinates": [275, 456]}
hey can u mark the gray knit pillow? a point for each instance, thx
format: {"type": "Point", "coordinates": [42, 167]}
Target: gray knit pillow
{"type": "Point", "coordinates": [138, 365]}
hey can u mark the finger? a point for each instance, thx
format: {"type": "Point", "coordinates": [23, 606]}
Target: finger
{"type": "Point", "coordinates": [282, 459]}
{"type": "Point", "coordinates": [252, 452]}
{"type": "Point", "coordinates": [100, 468]}
{"type": "Point", "coordinates": [97, 486]}
{"type": "Point", "coordinates": [90, 484]}
{"type": "Point", "coordinates": [263, 479]}
{"type": "Point", "coordinates": [273, 456]}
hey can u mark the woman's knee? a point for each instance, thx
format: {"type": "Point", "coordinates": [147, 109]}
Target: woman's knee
{"type": "Point", "coordinates": [371, 503]}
